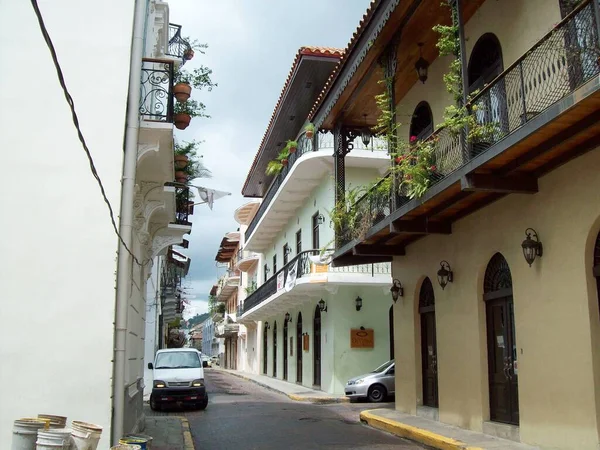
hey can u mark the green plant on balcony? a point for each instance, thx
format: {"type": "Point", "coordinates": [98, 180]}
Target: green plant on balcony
{"type": "Point", "coordinates": [199, 78]}
{"type": "Point", "coordinates": [251, 288]}
{"type": "Point", "coordinates": [291, 146]}
{"type": "Point", "coordinates": [184, 111]}
{"type": "Point", "coordinates": [194, 46]}
{"type": "Point", "coordinates": [309, 130]}
{"type": "Point", "coordinates": [275, 166]}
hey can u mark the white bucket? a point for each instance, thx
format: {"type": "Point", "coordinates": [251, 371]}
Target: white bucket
{"type": "Point", "coordinates": [85, 435]}
{"type": "Point", "coordinates": [25, 433]}
{"type": "Point", "coordinates": [55, 421]}
{"type": "Point", "coordinates": [54, 439]}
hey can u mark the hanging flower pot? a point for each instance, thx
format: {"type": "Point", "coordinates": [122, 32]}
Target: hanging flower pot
{"type": "Point", "coordinates": [293, 147]}
{"type": "Point", "coordinates": [284, 162]}
{"type": "Point", "coordinates": [182, 120]}
{"type": "Point", "coordinates": [182, 92]}
{"type": "Point", "coordinates": [310, 134]}
{"type": "Point", "coordinates": [181, 161]}
{"type": "Point", "coordinates": [181, 177]}
{"type": "Point", "coordinates": [188, 54]}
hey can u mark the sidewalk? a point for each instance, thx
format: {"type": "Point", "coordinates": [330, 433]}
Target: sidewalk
{"type": "Point", "coordinates": [292, 390]}
{"type": "Point", "coordinates": [435, 434]}
{"type": "Point", "coordinates": [169, 433]}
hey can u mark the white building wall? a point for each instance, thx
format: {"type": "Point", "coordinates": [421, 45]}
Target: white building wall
{"type": "Point", "coordinates": [59, 249]}
{"type": "Point", "coordinates": [151, 339]}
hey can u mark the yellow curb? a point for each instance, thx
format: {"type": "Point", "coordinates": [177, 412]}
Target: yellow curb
{"type": "Point", "coordinates": [413, 433]}
{"type": "Point", "coordinates": [324, 400]}
{"type": "Point", "coordinates": [188, 443]}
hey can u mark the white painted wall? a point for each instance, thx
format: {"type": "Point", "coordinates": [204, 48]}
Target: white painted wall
{"type": "Point", "coordinates": [151, 338]}
{"type": "Point", "coordinates": [59, 249]}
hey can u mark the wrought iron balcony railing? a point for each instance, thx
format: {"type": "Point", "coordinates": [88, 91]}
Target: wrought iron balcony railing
{"type": "Point", "coordinates": [563, 60]}
{"type": "Point", "coordinates": [156, 100]}
{"type": "Point", "coordinates": [305, 145]}
{"type": "Point", "coordinates": [183, 206]}
{"type": "Point", "coordinates": [269, 287]}
{"type": "Point", "coordinates": [178, 46]}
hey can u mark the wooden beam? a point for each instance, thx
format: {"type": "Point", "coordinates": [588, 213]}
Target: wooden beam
{"type": "Point", "coordinates": [578, 150]}
{"type": "Point", "coordinates": [378, 250]}
{"type": "Point", "coordinates": [522, 184]}
{"type": "Point", "coordinates": [420, 226]}
{"type": "Point", "coordinates": [352, 260]}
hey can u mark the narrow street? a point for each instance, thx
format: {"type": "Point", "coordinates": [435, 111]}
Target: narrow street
{"type": "Point", "coordinates": [244, 415]}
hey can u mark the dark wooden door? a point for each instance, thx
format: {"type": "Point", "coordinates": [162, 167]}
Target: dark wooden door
{"type": "Point", "coordinates": [317, 348]}
{"type": "Point", "coordinates": [285, 350]}
{"type": "Point", "coordinates": [275, 349]}
{"type": "Point", "coordinates": [391, 324]}
{"type": "Point", "coordinates": [299, 349]}
{"type": "Point", "coordinates": [265, 342]}
{"type": "Point", "coordinates": [501, 342]}
{"type": "Point", "coordinates": [428, 344]}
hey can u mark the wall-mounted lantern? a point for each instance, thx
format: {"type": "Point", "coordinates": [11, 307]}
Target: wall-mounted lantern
{"type": "Point", "coordinates": [421, 66]}
{"type": "Point", "coordinates": [288, 318]}
{"type": "Point", "coordinates": [532, 247]}
{"type": "Point", "coordinates": [365, 133]}
{"type": "Point", "coordinates": [267, 326]}
{"type": "Point", "coordinates": [358, 303]}
{"type": "Point", "coordinates": [322, 305]}
{"type": "Point", "coordinates": [320, 219]}
{"type": "Point", "coordinates": [397, 290]}
{"type": "Point", "coordinates": [445, 274]}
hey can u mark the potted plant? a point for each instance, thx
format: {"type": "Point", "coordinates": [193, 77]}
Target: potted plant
{"type": "Point", "coordinates": [182, 88]}
{"type": "Point", "coordinates": [183, 152]}
{"type": "Point", "coordinates": [181, 176]}
{"type": "Point", "coordinates": [309, 130]}
{"type": "Point", "coordinates": [193, 45]}
{"type": "Point", "coordinates": [291, 146]}
{"type": "Point", "coordinates": [183, 113]}
{"type": "Point", "coordinates": [276, 165]}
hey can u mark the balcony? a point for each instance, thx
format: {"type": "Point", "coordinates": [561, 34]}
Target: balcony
{"type": "Point", "coordinates": [184, 206]}
{"type": "Point", "coordinates": [178, 47]}
{"type": "Point", "coordinates": [228, 284]}
{"type": "Point", "coordinates": [306, 276]}
{"type": "Point", "coordinates": [541, 111]}
{"type": "Point", "coordinates": [305, 170]}
{"type": "Point", "coordinates": [156, 99]}
{"type": "Point", "coordinates": [246, 260]}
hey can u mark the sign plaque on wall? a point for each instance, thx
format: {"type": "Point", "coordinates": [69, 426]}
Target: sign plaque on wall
{"type": "Point", "coordinates": [305, 342]}
{"type": "Point", "coordinates": [362, 338]}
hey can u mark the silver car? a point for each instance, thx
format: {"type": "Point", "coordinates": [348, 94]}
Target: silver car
{"type": "Point", "coordinates": [375, 386]}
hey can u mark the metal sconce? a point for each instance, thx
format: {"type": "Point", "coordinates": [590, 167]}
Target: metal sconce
{"type": "Point", "coordinates": [288, 318]}
{"type": "Point", "coordinates": [358, 303]}
{"type": "Point", "coordinates": [288, 250]}
{"type": "Point", "coordinates": [445, 274]}
{"type": "Point", "coordinates": [421, 65]}
{"type": "Point", "coordinates": [320, 219]}
{"type": "Point", "coordinates": [267, 326]}
{"type": "Point", "coordinates": [531, 247]}
{"type": "Point", "coordinates": [322, 305]}
{"type": "Point", "coordinates": [365, 134]}
{"type": "Point", "coordinates": [397, 290]}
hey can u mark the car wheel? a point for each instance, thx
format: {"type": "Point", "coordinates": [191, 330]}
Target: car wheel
{"type": "Point", "coordinates": [377, 393]}
{"type": "Point", "coordinates": [153, 405]}
{"type": "Point", "coordinates": [202, 406]}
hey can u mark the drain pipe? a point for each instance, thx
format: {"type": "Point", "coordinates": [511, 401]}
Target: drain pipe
{"type": "Point", "coordinates": [126, 222]}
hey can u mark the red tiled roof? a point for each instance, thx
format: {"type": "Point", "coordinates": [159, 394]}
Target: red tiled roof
{"type": "Point", "coordinates": [366, 18]}
{"type": "Point", "coordinates": [303, 51]}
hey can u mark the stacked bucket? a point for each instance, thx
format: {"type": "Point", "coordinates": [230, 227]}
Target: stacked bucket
{"type": "Point", "coordinates": [48, 432]}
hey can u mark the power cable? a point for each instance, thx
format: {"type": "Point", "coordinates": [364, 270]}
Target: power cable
{"type": "Point", "coordinates": [71, 104]}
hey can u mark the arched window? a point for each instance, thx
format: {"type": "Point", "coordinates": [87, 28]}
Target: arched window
{"type": "Point", "coordinates": [421, 124]}
{"type": "Point", "coordinates": [485, 62]}
{"type": "Point", "coordinates": [317, 347]}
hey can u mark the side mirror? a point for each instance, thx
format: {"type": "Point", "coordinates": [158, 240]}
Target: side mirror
{"type": "Point", "coordinates": [150, 366]}
{"type": "Point", "coordinates": [204, 363]}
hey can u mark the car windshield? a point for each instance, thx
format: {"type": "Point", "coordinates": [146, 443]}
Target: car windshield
{"type": "Point", "coordinates": [177, 360]}
{"type": "Point", "coordinates": [382, 368]}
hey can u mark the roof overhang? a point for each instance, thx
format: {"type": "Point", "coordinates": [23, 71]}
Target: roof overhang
{"type": "Point", "coordinates": [226, 250]}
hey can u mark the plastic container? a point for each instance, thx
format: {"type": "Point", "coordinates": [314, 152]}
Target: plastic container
{"type": "Point", "coordinates": [54, 439]}
{"type": "Point", "coordinates": [135, 440]}
{"type": "Point", "coordinates": [25, 433]}
{"type": "Point", "coordinates": [145, 440]}
{"type": "Point", "coordinates": [85, 435]}
{"type": "Point", "coordinates": [55, 421]}
{"type": "Point", "coordinates": [126, 447]}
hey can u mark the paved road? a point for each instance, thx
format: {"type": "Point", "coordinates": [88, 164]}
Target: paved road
{"type": "Point", "coordinates": [242, 415]}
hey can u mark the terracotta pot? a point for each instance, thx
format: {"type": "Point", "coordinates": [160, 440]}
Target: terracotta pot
{"type": "Point", "coordinates": [182, 92]}
{"type": "Point", "coordinates": [309, 134]}
{"type": "Point", "coordinates": [181, 177]}
{"type": "Point", "coordinates": [293, 149]}
{"type": "Point", "coordinates": [182, 120]}
{"type": "Point", "coordinates": [284, 162]}
{"type": "Point", "coordinates": [188, 54]}
{"type": "Point", "coordinates": [181, 161]}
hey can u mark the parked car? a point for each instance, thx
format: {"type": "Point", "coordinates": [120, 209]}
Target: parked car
{"type": "Point", "coordinates": [215, 360]}
{"type": "Point", "coordinates": [178, 378]}
{"type": "Point", "coordinates": [207, 359]}
{"type": "Point", "coordinates": [375, 386]}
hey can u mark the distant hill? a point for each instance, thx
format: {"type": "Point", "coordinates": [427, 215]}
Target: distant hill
{"type": "Point", "coordinates": [198, 318]}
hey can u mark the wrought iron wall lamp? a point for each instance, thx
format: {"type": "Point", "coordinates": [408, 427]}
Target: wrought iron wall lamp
{"type": "Point", "coordinates": [421, 66]}
{"type": "Point", "coordinates": [358, 303]}
{"type": "Point", "coordinates": [322, 305]}
{"type": "Point", "coordinates": [397, 290]}
{"type": "Point", "coordinates": [445, 274]}
{"type": "Point", "coordinates": [532, 247]}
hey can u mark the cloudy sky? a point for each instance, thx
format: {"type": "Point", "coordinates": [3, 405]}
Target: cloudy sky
{"type": "Point", "coordinates": [252, 44]}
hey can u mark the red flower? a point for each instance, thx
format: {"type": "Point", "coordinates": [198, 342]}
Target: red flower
{"type": "Point", "coordinates": [413, 139]}
{"type": "Point", "coordinates": [408, 177]}
{"type": "Point", "coordinates": [399, 159]}
{"type": "Point", "coordinates": [433, 168]}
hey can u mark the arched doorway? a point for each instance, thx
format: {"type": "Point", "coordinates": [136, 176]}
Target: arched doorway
{"type": "Point", "coordinates": [597, 265]}
{"type": "Point", "coordinates": [299, 348]}
{"type": "Point", "coordinates": [485, 64]}
{"type": "Point", "coordinates": [391, 325]}
{"type": "Point", "coordinates": [265, 342]}
{"type": "Point", "coordinates": [285, 349]}
{"type": "Point", "coordinates": [501, 342]}
{"type": "Point", "coordinates": [317, 348]}
{"type": "Point", "coordinates": [428, 344]}
{"type": "Point", "coordinates": [275, 349]}
{"type": "Point", "coordinates": [421, 124]}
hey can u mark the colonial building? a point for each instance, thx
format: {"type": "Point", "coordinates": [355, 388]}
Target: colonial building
{"type": "Point", "coordinates": [493, 226]}
{"type": "Point", "coordinates": [308, 322]}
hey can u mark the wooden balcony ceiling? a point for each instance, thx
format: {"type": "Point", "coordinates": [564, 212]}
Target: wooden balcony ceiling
{"type": "Point", "coordinates": [306, 79]}
{"type": "Point", "coordinates": [226, 251]}
{"type": "Point", "coordinates": [412, 21]}
{"type": "Point", "coordinates": [513, 165]}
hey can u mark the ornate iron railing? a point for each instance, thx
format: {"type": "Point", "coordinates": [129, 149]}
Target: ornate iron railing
{"type": "Point", "coordinates": [178, 46]}
{"type": "Point", "coordinates": [269, 287]}
{"type": "Point", "coordinates": [183, 206]}
{"type": "Point", "coordinates": [156, 99]}
{"type": "Point", "coordinates": [563, 60]}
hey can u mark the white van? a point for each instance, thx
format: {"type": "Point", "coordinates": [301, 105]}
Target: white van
{"type": "Point", "coordinates": [178, 378]}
